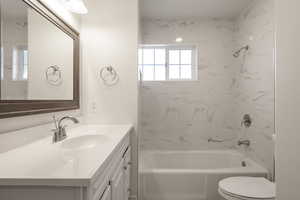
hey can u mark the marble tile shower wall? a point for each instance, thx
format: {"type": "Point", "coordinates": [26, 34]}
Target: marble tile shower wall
{"type": "Point", "coordinates": [254, 83]}
{"type": "Point", "coordinates": [184, 115]}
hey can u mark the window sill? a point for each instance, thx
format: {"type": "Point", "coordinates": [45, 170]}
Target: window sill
{"type": "Point", "coordinates": [172, 81]}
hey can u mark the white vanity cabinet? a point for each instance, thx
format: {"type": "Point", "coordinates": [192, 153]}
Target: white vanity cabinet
{"type": "Point", "coordinates": [118, 186]}
{"type": "Point", "coordinates": [114, 182]}
{"type": "Point", "coordinates": [108, 177]}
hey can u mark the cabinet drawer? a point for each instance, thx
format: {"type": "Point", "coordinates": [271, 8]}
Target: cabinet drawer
{"type": "Point", "coordinates": [117, 183]}
{"type": "Point", "coordinates": [101, 190]}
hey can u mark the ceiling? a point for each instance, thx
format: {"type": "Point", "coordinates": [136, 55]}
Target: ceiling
{"type": "Point", "coordinates": [183, 9]}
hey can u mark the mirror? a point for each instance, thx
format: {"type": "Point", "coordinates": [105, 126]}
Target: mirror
{"type": "Point", "coordinates": [39, 59]}
{"type": "Point", "coordinates": [37, 56]}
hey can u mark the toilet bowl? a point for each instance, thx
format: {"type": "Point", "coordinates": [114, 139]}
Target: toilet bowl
{"type": "Point", "coordinates": [247, 188]}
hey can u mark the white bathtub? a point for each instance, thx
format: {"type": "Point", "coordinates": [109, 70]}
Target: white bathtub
{"type": "Point", "coordinates": [191, 175]}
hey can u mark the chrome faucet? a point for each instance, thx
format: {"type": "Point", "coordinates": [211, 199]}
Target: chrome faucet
{"type": "Point", "coordinates": [60, 130]}
{"type": "Point", "coordinates": [244, 142]}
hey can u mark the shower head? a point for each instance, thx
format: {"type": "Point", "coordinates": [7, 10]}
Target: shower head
{"type": "Point", "coordinates": [238, 52]}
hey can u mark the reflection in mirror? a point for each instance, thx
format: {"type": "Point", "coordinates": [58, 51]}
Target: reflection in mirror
{"type": "Point", "coordinates": [36, 55]}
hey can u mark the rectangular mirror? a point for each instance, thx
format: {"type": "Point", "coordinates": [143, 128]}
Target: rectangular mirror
{"type": "Point", "coordinates": [39, 60]}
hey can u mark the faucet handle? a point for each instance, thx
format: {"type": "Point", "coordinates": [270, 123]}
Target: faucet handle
{"type": "Point", "coordinates": [63, 128]}
{"type": "Point", "coordinates": [63, 131]}
{"type": "Point", "coordinates": [54, 130]}
{"type": "Point", "coordinates": [246, 121]}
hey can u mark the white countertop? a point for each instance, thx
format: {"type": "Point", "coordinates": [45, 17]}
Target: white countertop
{"type": "Point", "coordinates": [45, 163]}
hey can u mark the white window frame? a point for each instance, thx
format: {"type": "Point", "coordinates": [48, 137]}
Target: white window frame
{"type": "Point", "coordinates": [167, 65]}
{"type": "Point", "coordinates": [1, 64]}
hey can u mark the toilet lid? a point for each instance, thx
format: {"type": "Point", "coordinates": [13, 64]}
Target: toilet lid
{"type": "Point", "coordinates": [250, 187]}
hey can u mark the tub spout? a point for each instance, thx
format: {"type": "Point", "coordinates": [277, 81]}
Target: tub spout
{"type": "Point", "coordinates": [244, 142]}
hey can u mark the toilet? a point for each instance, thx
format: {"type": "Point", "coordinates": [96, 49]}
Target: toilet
{"type": "Point", "coordinates": [247, 188]}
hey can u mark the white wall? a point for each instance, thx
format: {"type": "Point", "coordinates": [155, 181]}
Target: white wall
{"type": "Point", "coordinates": [287, 99]}
{"type": "Point", "coordinates": [110, 37]}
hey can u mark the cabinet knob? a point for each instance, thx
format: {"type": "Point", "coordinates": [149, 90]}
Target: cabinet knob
{"type": "Point", "coordinates": [129, 163]}
{"type": "Point", "coordinates": [125, 167]}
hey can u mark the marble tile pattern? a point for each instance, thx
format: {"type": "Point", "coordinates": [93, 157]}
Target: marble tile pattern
{"type": "Point", "coordinates": [184, 115]}
{"type": "Point", "coordinates": [254, 88]}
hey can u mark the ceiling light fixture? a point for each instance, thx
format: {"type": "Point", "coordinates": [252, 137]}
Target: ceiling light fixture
{"type": "Point", "coordinates": [76, 6]}
{"type": "Point", "coordinates": [179, 39]}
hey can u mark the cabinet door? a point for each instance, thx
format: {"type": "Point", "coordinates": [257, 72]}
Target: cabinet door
{"type": "Point", "coordinates": [117, 183]}
{"type": "Point", "coordinates": [127, 168]}
{"type": "Point", "coordinates": [107, 194]}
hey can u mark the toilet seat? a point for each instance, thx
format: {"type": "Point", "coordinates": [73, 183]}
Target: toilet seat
{"type": "Point", "coordinates": [247, 188]}
{"type": "Point", "coordinates": [235, 197]}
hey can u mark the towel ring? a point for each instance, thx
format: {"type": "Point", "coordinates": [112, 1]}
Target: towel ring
{"type": "Point", "coordinates": [54, 75]}
{"type": "Point", "coordinates": [109, 76]}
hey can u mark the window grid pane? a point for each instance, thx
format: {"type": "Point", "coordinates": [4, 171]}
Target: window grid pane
{"type": "Point", "coordinates": [148, 56]}
{"type": "Point", "coordinates": [174, 72]}
{"type": "Point", "coordinates": [186, 71]}
{"type": "Point", "coordinates": [174, 57]}
{"type": "Point", "coordinates": [160, 56]}
{"type": "Point", "coordinates": [148, 72]}
{"type": "Point", "coordinates": [186, 57]}
{"type": "Point", "coordinates": [140, 57]}
{"type": "Point", "coordinates": [160, 73]}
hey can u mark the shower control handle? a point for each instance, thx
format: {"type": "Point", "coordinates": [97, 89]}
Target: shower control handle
{"type": "Point", "coordinates": [246, 121]}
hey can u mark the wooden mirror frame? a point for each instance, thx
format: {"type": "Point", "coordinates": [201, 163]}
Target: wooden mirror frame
{"type": "Point", "coordinates": [13, 108]}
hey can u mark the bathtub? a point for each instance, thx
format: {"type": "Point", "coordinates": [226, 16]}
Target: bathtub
{"type": "Point", "coordinates": [191, 175]}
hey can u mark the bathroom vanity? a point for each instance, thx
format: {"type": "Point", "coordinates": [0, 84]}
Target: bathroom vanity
{"type": "Point", "coordinates": [93, 163]}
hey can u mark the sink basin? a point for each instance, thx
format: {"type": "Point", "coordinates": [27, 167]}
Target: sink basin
{"type": "Point", "coordinates": [84, 142]}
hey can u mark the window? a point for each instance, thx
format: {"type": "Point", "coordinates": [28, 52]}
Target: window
{"type": "Point", "coordinates": [162, 63]}
{"type": "Point", "coordinates": [20, 64]}
{"type": "Point", "coordinates": [2, 64]}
